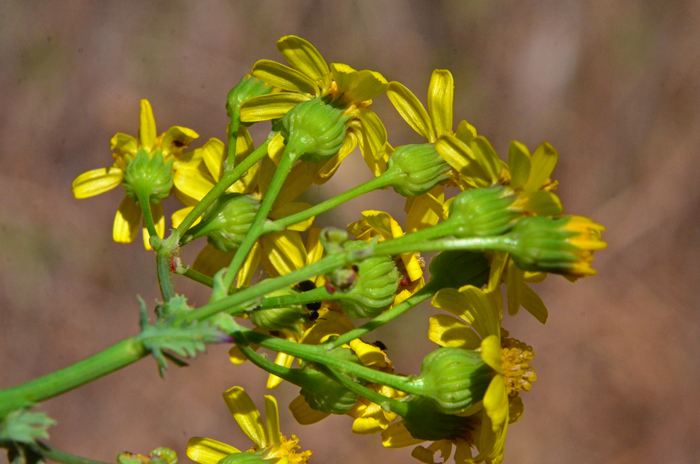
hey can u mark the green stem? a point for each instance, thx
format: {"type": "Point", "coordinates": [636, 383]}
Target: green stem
{"type": "Point", "coordinates": [113, 358]}
{"type": "Point", "coordinates": [228, 179]}
{"type": "Point", "coordinates": [312, 296]}
{"type": "Point", "coordinates": [165, 281]}
{"type": "Point", "coordinates": [387, 316]}
{"type": "Point", "coordinates": [318, 354]}
{"type": "Point", "coordinates": [232, 142]}
{"type": "Point", "coordinates": [198, 277]}
{"type": "Point", "coordinates": [147, 214]}
{"type": "Point", "coordinates": [61, 456]}
{"type": "Point", "coordinates": [384, 180]}
{"type": "Point", "coordinates": [257, 228]}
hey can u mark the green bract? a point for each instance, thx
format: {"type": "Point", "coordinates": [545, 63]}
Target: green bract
{"type": "Point", "coordinates": [315, 129]}
{"type": "Point", "coordinates": [425, 422]}
{"type": "Point", "coordinates": [374, 288]}
{"type": "Point", "coordinates": [483, 212]}
{"type": "Point", "coordinates": [290, 317]}
{"type": "Point", "coordinates": [455, 379]}
{"type": "Point", "coordinates": [249, 457]}
{"type": "Point", "coordinates": [226, 222]}
{"type": "Point", "coordinates": [421, 168]}
{"type": "Point", "coordinates": [150, 177]}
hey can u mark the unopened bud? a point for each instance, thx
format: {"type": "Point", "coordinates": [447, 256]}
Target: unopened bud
{"type": "Point", "coordinates": [483, 212]}
{"type": "Point", "coordinates": [249, 87]}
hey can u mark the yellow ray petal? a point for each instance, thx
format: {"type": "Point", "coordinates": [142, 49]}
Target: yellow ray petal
{"type": "Point", "coordinates": [491, 354]}
{"type": "Point", "coordinates": [126, 222]}
{"type": "Point", "coordinates": [544, 160]}
{"type": "Point", "coordinates": [369, 355]}
{"type": "Point", "coordinates": [147, 126]}
{"type": "Point", "coordinates": [427, 455]}
{"type": "Point", "coordinates": [532, 302]}
{"type": "Point", "coordinates": [440, 100]}
{"type": "Point", "coordinates": [213, 153]}
{"type": "Point", "coordinates": [209, 261]}
{"type": "Point", "coordinates": [496, 403]}
{"type": "Point", "coordinates": [124, 143]}
{"type": "Point", "coordinates": [461, 157]}
{"type": "Point", "coordinates": [272, 106]}
{"type": "Point", "coordinates": [543, 203]}
{"type": "Point", "coordinates": [514, 284]}
{"type": "Point", "coordinates": [245, 275]}
{"type": "Point", "coordinates": [303, 413]}
{"type": "Point", "coordinates": [328, 323]}
{"type": "Point", "coordinates": [208, 451]}
{"type": "Point", "coordinates": [449, 331]}
{"type": "Point", "coordinates": [284, 77]}
{"type": "Point", "coordinates": [314, 247]}
{"type": "Point", "coordinates": [373, 134]}
{"type": "Point", "coordinates": [282, 359]}
{"type": "Point", "coordinates": [424, 209]}
{"type": "Point", "coordinates": [398, 436]}
{"type": "Point", "coordinates": [283, 251]}
{"type": "Point", "coordinates": [176, 139]}
{"type": "Point", "coordinates": [304, 57]}
{"type": "Point", "coordinates": [97, 181]}
{"type": "Point", "coordinates": [272, 421]}
{"type": "Point", "coordinates": [518, 164]}
{"type": "Point", "coordinates": [411, 110]}
{"type": "Point", "coordinates": [180, 215]}
{"type": "Point", "coordinates": [357, 86]}
{"type": "Point", "coordinates": [192, 183]}
{"type": "Point", "coordinates": [465, 132]}
{"type": "Point", "coordinates": [246, 415]}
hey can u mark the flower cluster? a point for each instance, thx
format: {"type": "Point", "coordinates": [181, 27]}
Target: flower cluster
{"type": "Point", "coordinates": [497, 224]}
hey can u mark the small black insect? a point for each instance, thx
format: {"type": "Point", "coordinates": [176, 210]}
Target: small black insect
{"type": "Point", "coordinates": [380, 345]}
{"type": "Point", "coordinates": [305, 286]}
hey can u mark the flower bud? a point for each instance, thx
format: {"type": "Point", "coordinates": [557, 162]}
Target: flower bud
{"type": "Point", "coordinates": [425, 422]}
{"type": "Point", "coordinates": [315, 129]}
{"type": "Point", "coordinates": [561, 246]}
{"type": "Point", "coordinates": [421, 169]}
{"type": "Point", "coordinates": [249, 457]}
{"type": "Point", "coordinates": [149, 176]}
{"type": "Point", "coordinates": [374, 288]}
{"type": "Point", "coordinates": [289, 317]}
{"type": "Point", "coordinates": [454, 378]}
{"type": "Point", "coordinates": [457, 268]}
{"type": "Point", "coordinates": [325, 394]}
{"type": "Point", "coordinates": [249, 87]}
{"type": "Point", "coordinates": [226, 222]}
{"type": "Point", "coordinates": [483, 212]}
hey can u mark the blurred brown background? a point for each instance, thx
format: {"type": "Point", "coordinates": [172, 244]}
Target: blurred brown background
{"type": "Point", "coordinates": [613, 85]}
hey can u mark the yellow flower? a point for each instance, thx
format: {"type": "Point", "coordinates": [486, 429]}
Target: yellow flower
{"type": "Point", "coordinates": [476, 163]}
{"type": "Point", "coordinates": [310, 77]}
{"type": "Point", "coordinates": [518, 293]}
{"type": "Point", "coordinates": [382, 225]}
{"type": "Point", "coordinates": [479, 329]}
{"type": "Point", "coordinates": [171, 144]}
{"type": "Point", "coordinates": [267, 438]}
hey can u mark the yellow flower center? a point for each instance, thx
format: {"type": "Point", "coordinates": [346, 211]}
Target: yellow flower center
{"type": "Point", "coordinates": [287, 449]}
{"type": "Point", "coordinates": [517, 373]}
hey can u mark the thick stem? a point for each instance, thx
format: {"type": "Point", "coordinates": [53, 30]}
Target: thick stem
{"type": "Point", "coordinates": [147, 214]}
{"type": "Point", "coordinates": [228, 179]}
{"type": "Point", "coordinates": [232, 141]}
{"type": "Point", "coordinates": [113, 358]}
{"type": "Point", "coordinates": [387, 316]}
{"type": "Point", "coordinates": [377, 183]}
{"type": "Point", "coordinates": [165, 281]}
{"type": "Point", "coordinates": [257, 227]}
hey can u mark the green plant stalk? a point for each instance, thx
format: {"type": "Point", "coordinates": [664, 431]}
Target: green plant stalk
{"type": "Point", "coordinates": [198, 277]}
{"type": "Point", "coordinates": [318, 354]}
{"type": "Point", "coordinates": [387, 316]}
{"type": "Point", "coordinates": [113, 358]}
{"type": "Point", "coordinates": [257, 228]}
{"type": "Point", "coordinates": [384, 180]}
{"type": "Point", "coordinates": [61, 456]}
{"type": "Point", "coordinates": [227, 179]}
{"type": "Point", "coordinates": [232, 142]}
{"type": "Point", "coordinates": [165, 282]}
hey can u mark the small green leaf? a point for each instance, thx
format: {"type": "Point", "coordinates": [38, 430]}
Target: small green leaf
{"type": "Point", "coordinates": [22, 426]}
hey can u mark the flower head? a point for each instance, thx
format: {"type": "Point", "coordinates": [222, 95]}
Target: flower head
{"type": "Point", "coordinates": [170, 145]}
{"type": "Point", "coordinates": [268, 441]}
